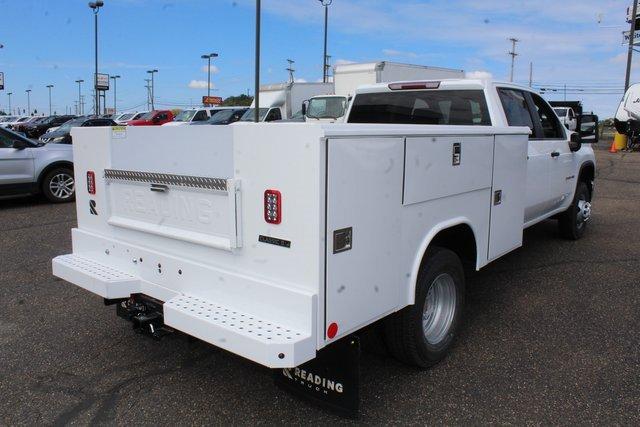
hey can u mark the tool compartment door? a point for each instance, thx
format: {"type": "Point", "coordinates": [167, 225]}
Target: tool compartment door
{"type": "Point", "coordinates": [363, 230]}
{"type": "Point", "coordinates": [508, 194]}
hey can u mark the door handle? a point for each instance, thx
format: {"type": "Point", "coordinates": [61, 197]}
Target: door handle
{"type": "Point", "coordinates": [555, 154]}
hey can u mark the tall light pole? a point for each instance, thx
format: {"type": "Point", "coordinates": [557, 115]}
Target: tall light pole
{"type": "Point", "coordinates": [95, 6]}
{"type": "Point", "coordinates": [50, 110]}
{"type": "Point", "coordinates": [79, 81]}
{"type": "Point", "coordinates": [326, 4]}
{"type": "Point", "coordinates": [28, 101]}
{"type": "Point", "coordinates": [9, 95]}
{"type": "Point", "coordinates": [513, 55]}
{"type": "Point", "coordinates": [634, 12]}
{"type": "Point", "coordinates": [256, 98]}
{"type": "Point", "coordinates": [148, 87]}
{"type": "Point", "coordinates": [152, 72]}
{"type": "Point", "coordinates": [114, 78]}
{"type": "Point", "coordinates": [208, 58]}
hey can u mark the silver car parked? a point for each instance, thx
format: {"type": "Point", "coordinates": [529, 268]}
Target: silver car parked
{"type": "Point", "coordinates": [29, 167]}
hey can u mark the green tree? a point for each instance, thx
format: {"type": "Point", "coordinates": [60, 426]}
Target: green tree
{"type": "Point", "coordinates": [238, 101]}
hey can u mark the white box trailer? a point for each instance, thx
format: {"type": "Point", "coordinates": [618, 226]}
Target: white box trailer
{"type": "Point", "coordinates": [347, 77]}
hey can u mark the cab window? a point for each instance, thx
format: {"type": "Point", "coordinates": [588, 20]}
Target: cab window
{"type": "Point", "coordinates": [200, 116]}
{"type": "Point", "coordinates": [274, 114]}
{"type": "Point", "coordinates": [516, 108]}
{"type": "Point", "coordinates": [551, 127]}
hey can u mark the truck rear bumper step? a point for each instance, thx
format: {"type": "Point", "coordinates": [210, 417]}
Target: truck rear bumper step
{"type": "Point", "coordinates": [95, 277]}
{"type": "Point", "coordinates": [264, 342]}
{"type": "Point", "coordinates": [261, 340]}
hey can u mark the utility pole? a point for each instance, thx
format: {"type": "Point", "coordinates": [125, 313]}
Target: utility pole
{"type": "Point", "coordinates": [28, 101]}
{"type": "Point", "coordinates": [148, 86]}
{"type": "Point", "coordinates": [328, 66]}
{"type": "Point", "coordinates": [325, 4]}
{"type": "Point", "coordinates": [291, 70]}
{"type": "Point", "coordinates": [153, 90]}
{"type": "Point", "coordinates": [9, 95]}
{"type": "Point", "coordinates": [634, 13]}
{"type": "Point", "coordinates": [79, 81]}
{"type": "Point", "coordinates": [81, 105]}
{"type": "Point", "coordinates": [530, 74]}
{"type": "Point", "coordinates": [50, 110]}
{"type": "Point", "coordinates": [513, 55]}
{"type": "Point", "coordinates": [95, 6]}
{"type": "Point", "coordinates": [208, 58]}
{"type": "Point", "coordinates": [114, 78]}
{"type": "Point", "coordinates": [256, 115]}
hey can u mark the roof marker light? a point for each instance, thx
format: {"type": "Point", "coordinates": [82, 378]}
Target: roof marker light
{"type": "Point", "coordinates": [414, 85]}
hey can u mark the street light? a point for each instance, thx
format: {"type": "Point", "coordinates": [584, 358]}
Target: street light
{"type": "Point", "coordinates": [152, 72]}
{"type": "Point", "coordinates": [208, 58]}
{"type": "Point", "coordinates": [9, 95]}
{"type": "Point", "coordinates": [50, 110]}
{"type": "Point", "coordinates": [326, 4]}
{"type": "Point", "coordinates": [114, 78]}
{"type": "Point", "coordinates": [28, 101]}
{"type": "Point", "coordinates": [79, 81]}
{"type": "Point", "coordinates": [95, 6]}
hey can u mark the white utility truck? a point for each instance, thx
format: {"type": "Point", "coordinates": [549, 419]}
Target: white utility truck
{"type": "Point", "coordinates": [279, 242]}
{"type": "Point", "coordinates": [348, 77]}
{"type": "Point", "coordinates": [627, 119]}
{"type": "Point", "coordinates": [282, 101]}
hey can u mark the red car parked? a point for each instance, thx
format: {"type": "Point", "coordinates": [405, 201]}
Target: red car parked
{"type": "Point", "coordinates": [153, 118]}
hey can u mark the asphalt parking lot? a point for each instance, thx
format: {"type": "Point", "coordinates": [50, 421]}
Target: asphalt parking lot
{"type": "Point", "coordinates": [551, 337]}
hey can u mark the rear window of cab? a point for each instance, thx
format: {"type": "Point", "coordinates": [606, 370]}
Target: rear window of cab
{"type": "Point", "coordinates": [426, 107]}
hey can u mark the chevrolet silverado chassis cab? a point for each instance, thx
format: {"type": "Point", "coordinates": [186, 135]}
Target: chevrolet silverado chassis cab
{"type": "Point", "coordinates": [279, 241]}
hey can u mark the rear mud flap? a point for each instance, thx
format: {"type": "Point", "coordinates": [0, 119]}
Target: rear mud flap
{"type": "Point", "coordinates": [330, 380]}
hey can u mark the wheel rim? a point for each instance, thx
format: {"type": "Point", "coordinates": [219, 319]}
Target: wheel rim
{"type": "Point", "coordinates": [439, 309]}
{"type": "Point", "coordinates": [584, 212]}
{"type": "Point", "coordinates": [62, 186]}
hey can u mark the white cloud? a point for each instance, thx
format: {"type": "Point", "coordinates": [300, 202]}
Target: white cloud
{"type": "Point", "coordinates": [200, 84]}
{"type": "Point", "coordinates": [342, 62]}
{"type": "Point", "coordinates": [393, 52]}
{"type": "Point", "coordinates": [479, 75]}
{"type": "Point", "coordinates": [214, 69]}
{"type": "Point", "coordinates": [300, 80]}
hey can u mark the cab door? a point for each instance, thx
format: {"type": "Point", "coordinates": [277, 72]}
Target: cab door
{"type": "Point", "coordinates": [552, 138]}
{"type": "Point", "coordinates": [518, 111]}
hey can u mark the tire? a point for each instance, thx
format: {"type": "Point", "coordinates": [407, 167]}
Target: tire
{"type": "Point", "coordinates": [417, 335]}
{"type": "Point", "coordinates": [573, 222]}
{"type": "Point", "coordinates": [58, 185]}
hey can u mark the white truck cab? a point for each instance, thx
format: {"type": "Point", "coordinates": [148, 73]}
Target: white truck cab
{"type": "Point", "coordinates": [567, 117]}
{"type": "Point", "coordinates": [283, 100]}
{"type": "Point", "coordinates": [281, 239]}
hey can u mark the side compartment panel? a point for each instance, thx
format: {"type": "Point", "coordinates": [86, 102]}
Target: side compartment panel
{"type": "Point", "coordinates": [365, 194]}
{"type": "Point", "coordinates": [508, 195]}
{"type": "Point", "coordinates": [432, 172]}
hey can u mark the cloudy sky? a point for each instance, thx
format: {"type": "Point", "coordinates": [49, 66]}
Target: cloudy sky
{"type": "Point", "coordinates": [572, 42]}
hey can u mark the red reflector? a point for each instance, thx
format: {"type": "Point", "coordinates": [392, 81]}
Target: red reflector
{"type": "Point", "coordinates": [91, 182]}
{"type": "Point", "coordinates": [273, 206]}
{"type": "Point", "coordinates": [414, 85]}
{"type": "Point", "coordinates": [332, 330]}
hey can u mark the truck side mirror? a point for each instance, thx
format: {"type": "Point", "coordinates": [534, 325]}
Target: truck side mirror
{"type": "Point", "coordinates": [575, 142]}
{"type": "Point", "coordinates": [587, 128]}
{"type": "Point", "coordinates": [305, 105]}
{"type": "Point", "coordinates": [19, 144]}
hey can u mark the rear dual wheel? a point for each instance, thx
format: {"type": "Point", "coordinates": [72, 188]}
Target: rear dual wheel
{"type": "Point", "coordinates": [422, 334]}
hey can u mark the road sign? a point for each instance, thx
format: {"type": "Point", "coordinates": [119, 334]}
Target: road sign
{"type": "Point", "coordinates": [1, 81]}
{"type": "Point", "coordinates": [636, 37]}
{"type": "Point", "coordinates": [102, 81]}
{"type": "Point", "coordinates": [211, 100]}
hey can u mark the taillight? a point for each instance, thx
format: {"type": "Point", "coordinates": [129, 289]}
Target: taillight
{"type": "Point", "coordinates": [91, 182]}
{"type": "Point", "coordinates": [273, 206]}
{"type": "Point", "coordinates": [414, 85]}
